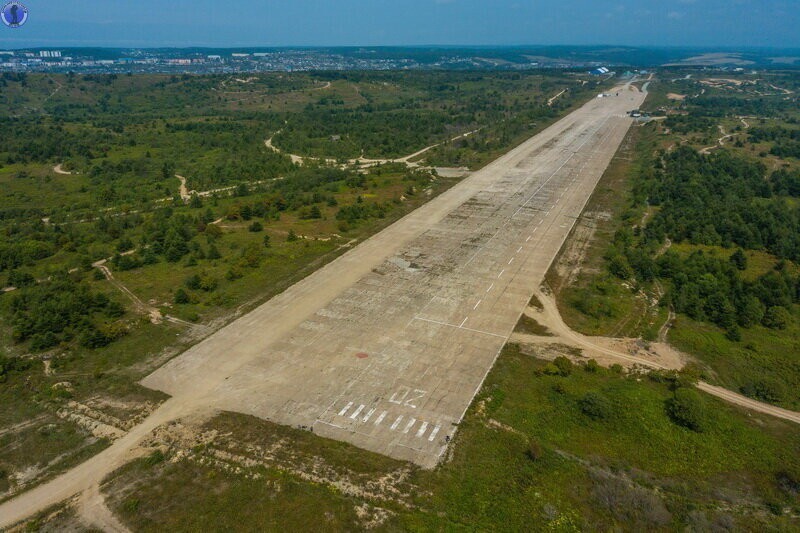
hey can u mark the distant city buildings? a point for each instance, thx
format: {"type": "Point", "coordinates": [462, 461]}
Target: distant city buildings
{"type": "Point", "coordinates": [203, 62]}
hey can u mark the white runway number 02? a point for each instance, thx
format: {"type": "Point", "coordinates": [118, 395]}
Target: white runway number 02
{"type": "Point", "coordinates": [407, 397]}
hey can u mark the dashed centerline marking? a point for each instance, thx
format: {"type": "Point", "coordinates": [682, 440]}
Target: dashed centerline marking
{"type": "Point", "coordinates": [501, 273]}
{"type": "Point", "coordinates": [519, 249]}
{"type": "Point", "coordinates": [464, 322]}
{"type": "Point", "coordinates": [458, 327]}
{"type": "Point", "coordinates": [510, 260]}
{"type": "Point", "coordinates": [490, 287]}
{"type": "Point", "coordinates": [477, 304]}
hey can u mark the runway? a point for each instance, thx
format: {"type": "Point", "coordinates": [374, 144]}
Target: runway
{"type": "Point", "coordinates": [386, 346]}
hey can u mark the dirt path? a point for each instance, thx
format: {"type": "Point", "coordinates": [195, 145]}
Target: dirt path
{"type": "Point", "coordinates": [749, 403]}
{"type": "Point", "coordinates": [184, 192]}
{"type": "Point", "coordinates": [366, 162]}
{"type": "Point", "coordinates": [554, 98]}
{"type": "Point", "coordinates": [657, 355]}
{"type": "Point", "coordinates": [58, 170]}
{"type": "Point", "coordinates": [155, 314]}
{"type": "Point", "coordinates": [721, 141]}
{"type": "Point", "coordinates": [94, 513]}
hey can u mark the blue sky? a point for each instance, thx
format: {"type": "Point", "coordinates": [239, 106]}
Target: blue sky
{"type": "Point", "coordinates": [708, 23]}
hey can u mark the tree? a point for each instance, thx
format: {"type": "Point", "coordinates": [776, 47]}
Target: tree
{"type": "Point", "coordinates": [213, 232]}
{"type": "Point", "coordinates": [213, 252]}
{"type": "Point", "coordinates": [292, 236]}
{"type": "Point", "coordinates": [181, 296]}
{"type": "Point", "coordinates": [196, 202]}
{"type": "Point", "coordinates": [267, 242]}
{"type": "Point", "coordinates": [252, 255]}
{"type": "Point", "coordinates": [686, 408]}
{"type": "Point", "coordinates": [739, 259]}
{"type": "Point", "coordinates": [776, 317]}
{"type": "Point", "coordinates": [175, 246]}
{"type": "Point", "coordinates": [751, 312]}
{"type": "Point", "coordinates": [255, 227]}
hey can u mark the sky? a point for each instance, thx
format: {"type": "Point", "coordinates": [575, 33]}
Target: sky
{"type": "Point", "coordinates": [180, 23]}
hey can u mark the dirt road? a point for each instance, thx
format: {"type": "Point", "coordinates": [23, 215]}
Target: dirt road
{"type": "Point", "coordinates": [58, 170]}
{"type": "Point", "coordinates": [386, 346]}
{"type": "Point", "coordinates": [629, 352]}
{"type": "Point", "coordinates": [365, 162]}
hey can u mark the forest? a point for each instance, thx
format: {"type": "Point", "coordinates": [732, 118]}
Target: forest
{"type": "Point", "coordinates": [708, 228]}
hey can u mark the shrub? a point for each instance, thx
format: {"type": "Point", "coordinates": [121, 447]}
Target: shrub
{"type": "Point", "coordinates": [592, 366]}
{"type": "Point", "coordinates": [255, 227]}
{"type": "Point", "coordinates": [765, 389]}
{"type": "Point", "coordinates": [595, 405]}
{"type": "Point", "coordinates": [193, 282]}
{"type": "Point", "coordinates": [776, 318]}
{"type": "Point", "coordinates": [292, 236]}
{"type": "Point", "coordinates": [551, 369]}
{"type": "Point", "coordinates": [534, 451]}
{"type": "Point", "coordinates": [564, 365]}
{"type": "Point", "coordinates": [686, 408]}
{"type": "Point", "coordinates": [181, 296]}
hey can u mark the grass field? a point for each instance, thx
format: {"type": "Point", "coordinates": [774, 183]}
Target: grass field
{"type": "Point", "coordinates": [527, 457]}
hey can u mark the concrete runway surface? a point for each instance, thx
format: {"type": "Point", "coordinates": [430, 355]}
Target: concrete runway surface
{"type": "Point", "coordinates": [399, 334]}
{"type": "Point", "coordinates": [386, 346]}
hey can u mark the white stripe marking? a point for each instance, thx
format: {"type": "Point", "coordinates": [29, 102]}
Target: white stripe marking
{"type": "Point", "coordinates": [410, 425]}
{"type": "Point", "coordinates": [422, 429]}
{"type": "Point", "coordinates": [368, 415]}
{"type": "Point", "coordinates": [346, 408]}
{"type": "Point", "coordinates": [433, 434]}
{"type": "Point", "coordinates": [477, 304]}
{"type": "Point", "coordinates": [397, 422]}
{"type": "Point", "coordinates": [357, 412]}
{"type": "Point", "coordinates": [380, 418]}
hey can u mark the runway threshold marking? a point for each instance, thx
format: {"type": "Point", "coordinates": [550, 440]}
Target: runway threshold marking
{"type": "Point", "coordinates": [397, 422]}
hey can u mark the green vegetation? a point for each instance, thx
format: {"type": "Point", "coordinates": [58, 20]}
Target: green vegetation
{"type": "Point", "coordinates": [128, 198]}
{"type": "Point", "coordinates": [710, 236]}
{"type": "Point", "coordinates": [591, 450]}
